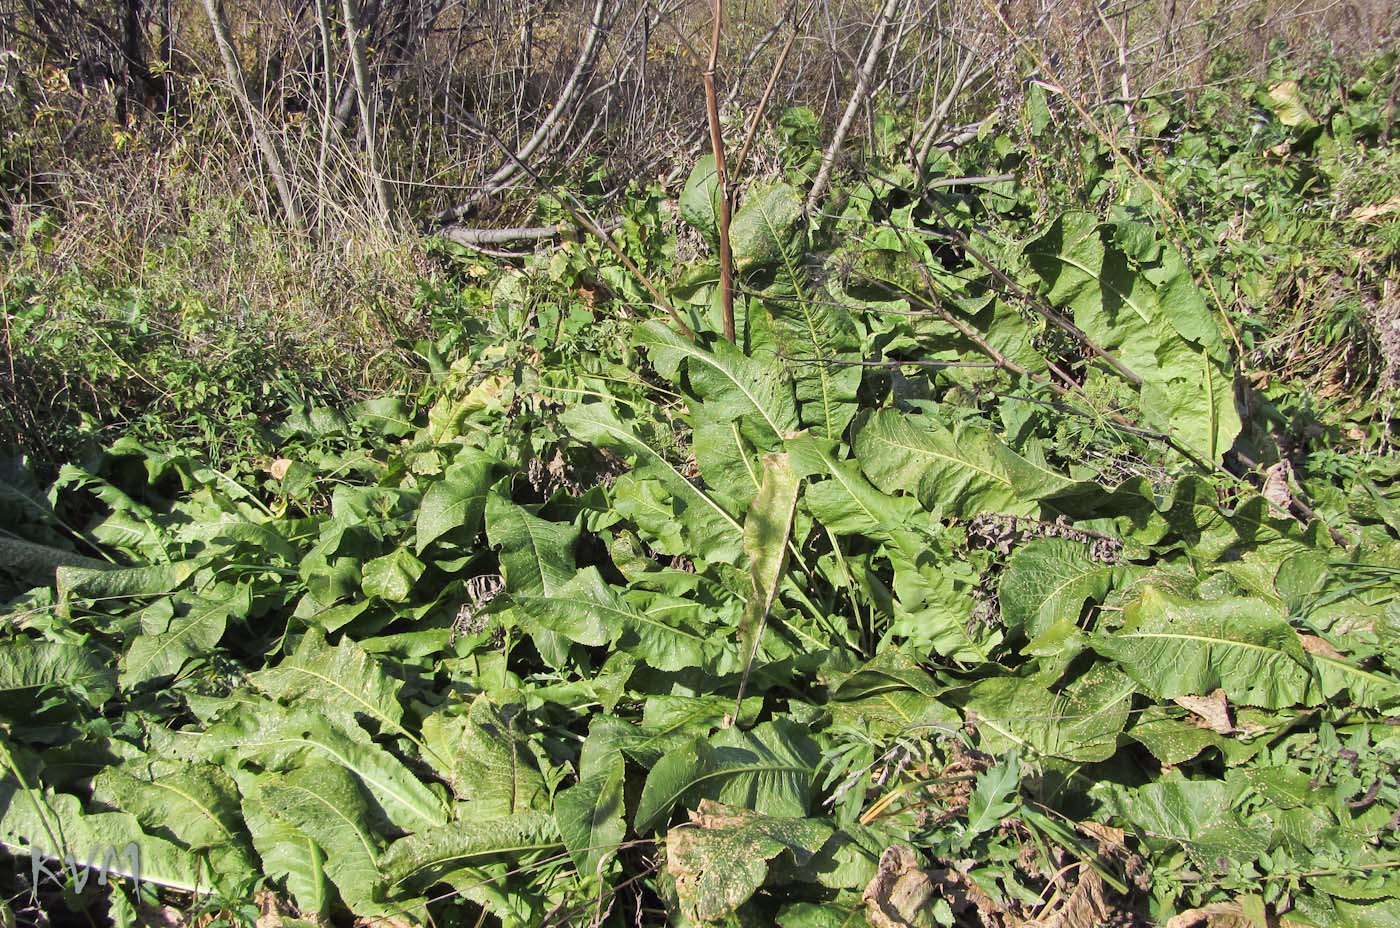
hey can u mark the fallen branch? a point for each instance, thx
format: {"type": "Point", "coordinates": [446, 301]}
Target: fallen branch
{"type": "Point", "coordinates": [465, 236]}
{"type": "Point", "coordinates": [960, 136]}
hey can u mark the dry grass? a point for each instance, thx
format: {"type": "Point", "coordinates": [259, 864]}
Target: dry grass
{"type": "Point", "coordinates": [177, 206]}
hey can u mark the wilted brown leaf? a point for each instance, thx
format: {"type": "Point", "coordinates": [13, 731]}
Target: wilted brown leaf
{"type": "Point", "coordinates": [899, 895]}
{"type": "Point", "coordinates": [1211, 711]}
{"type": "Point", "coordinates": [1373, 212]}
{"type": "Point", "coordinates": [1319, 646]}
{"type": "Point", "coordinates": [1085, 907]}
{"type": "Point", "coordinates": [1216, 915]}
{"type": "Point", "coordinates": [1276, 489]}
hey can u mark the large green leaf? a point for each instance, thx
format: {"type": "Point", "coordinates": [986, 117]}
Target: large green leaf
{"type": "Point", "coordinates": [1048, 580]}
{"type": "Point", "coordinates": [767, 528]}
{"type": "Point", "coordinates": [289, 856]}
{"type": "Point", "coordinates": [1195, 815]}
{"type": "Point", "coordinates": [1338, 674]}
{"type": "Point", "coordinates": [427, 857]}
{"type": "Point", "coordinates": [957, 472]}
{"type": "Point", "coordinates": [347, 681]}
{"type": "Point", "coordinates": [163, 648]}
{"type": "Point", "coordinates": [1177, 646]}
{"type": "Point", "coordinates": [30, 559]}
{"type": "Point", "coordinates": [28, 666]}
{"type": "Point", "coordinates": [392, 576]}
{"type": "Point", "coordinates": [699, 200]}
{"type": "Point", "coordinates": [234, 529]}
{"type": "Point", "coordinates": [590, 611]}
{"type": "Point", "coordinates": [582, 609]}
{"type": "Point", "coordinates": [193, 805]}
{"type": "Point", "coordinates": [456, 502]}
{"type": "Point", "coordinates": [731, 384]}
{"type": "Point", "coordinates": [764, 227]}
{"type": "Point", "coordinates": [712, 532]}
{"type": "Point", "coordinates": [589, 815]}
{"type": "Point", "coordinates": [490, 763]}
{"type": "Point", "coordinates": [820, 344]}
{"type": "Point", "coordinates": [934, 604]}
{"type": "Point", "coordinates": [847, 503]}
{"type": "Point", "coordinates": [769, 769]}
{"type": "Point", "coordinates": [323, 801]}
{"type": "Point", "coordinates": [37, 822]}
{"type": "Point", "coordinates": [1081, 723]}
{"type": "Point", "coordinates": [1134, 296]}
{"type": "Point", "coordinates": [727, 462]}
{"type": "Point", "coordinates": [668, 722]}
{"type": "Point", "coordinates": [118, 582]}
{"type": "Point", "coordinates": [263, 733]}
{"type": "Point", "coordinates": [537, 556]}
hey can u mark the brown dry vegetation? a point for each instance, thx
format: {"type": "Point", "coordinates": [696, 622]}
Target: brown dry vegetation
{"type": "Point", "coordinates": [127, 158]}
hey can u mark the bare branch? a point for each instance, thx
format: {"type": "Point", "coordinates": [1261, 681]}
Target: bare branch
{"type": "Point", "coordinates": [465, 236]}
{"type": "Point", "coordinates": [603, 14]}
{"type": "Point", "coordinates": [867, 70]}
{"type": "Point", "coordinates": [267, 145]}
{"type": "Point", "coordinates": [355, 39]}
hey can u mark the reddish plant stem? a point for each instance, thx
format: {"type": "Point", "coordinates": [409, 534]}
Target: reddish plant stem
{"type": "Point", "coordinates": [726, 268]}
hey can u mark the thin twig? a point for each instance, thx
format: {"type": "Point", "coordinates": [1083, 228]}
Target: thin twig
{"type": "Point", "coordinates": [252, 106]}
{"type": "Point", "coordinates": [546, 131]}
{"type": "Point", "coordinates": [762, 107]}
{"type": "Point", "coordinates": [355, 40]}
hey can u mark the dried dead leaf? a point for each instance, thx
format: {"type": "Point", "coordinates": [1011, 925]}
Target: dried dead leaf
{"type": "Point", "coordinates": [1276, 489]}
{"type": "Point", "coordinates": [381, 921]}
{"type": "Point", "coordinates": [899, 895]}
{"type": "Point", "coordinates": [1374, 212]}
{"type": "Point", "coordinates": [1211, 711]}
{"type": "Point", "coordinates": [1085, 907]}
{"type": "Point", "coordinates": [1113, 846]}
{"type": "Point", "coordinates": [1320, 646]}
{"type": "Point", "coordinates": [168, 917]}
{"type": "Point", "coordinates": [269, 907]}
{"type": "Point", "coordinates": [278, 468]}
{"type": "Point", "coordinates": [1216, 915]}
{"type": "Point", "coordinates": [1110, 839]}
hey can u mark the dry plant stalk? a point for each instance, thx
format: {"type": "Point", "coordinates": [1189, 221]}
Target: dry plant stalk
{"type": "Point", "coordinates": [726, 265]}
{"type": "Point", "coordinates": [355, 40]}
{"type": "Point", "coordinates": [267, 145]}
{"type": "Point", "coordinates": [768, 88]}
{"type": "Point", "coordinates": [867, 71]}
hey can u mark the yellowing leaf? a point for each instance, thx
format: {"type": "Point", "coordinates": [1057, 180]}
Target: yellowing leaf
{"type": "Point", "coordinates": [766, 532]}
